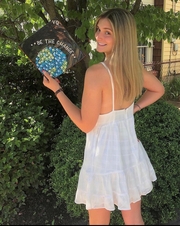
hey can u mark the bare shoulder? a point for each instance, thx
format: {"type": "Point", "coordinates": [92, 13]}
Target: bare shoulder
{"type": "Point", "coordinates": [95, 72]}
{"type": "Point", "coordinates": [96, 68]}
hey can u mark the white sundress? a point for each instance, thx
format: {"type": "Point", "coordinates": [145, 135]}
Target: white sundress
{"type": "Point", "coordinates": [116, 169]}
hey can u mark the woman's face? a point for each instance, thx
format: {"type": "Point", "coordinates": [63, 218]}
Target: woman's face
{"type": "Point", "coordinates": [104, 37]}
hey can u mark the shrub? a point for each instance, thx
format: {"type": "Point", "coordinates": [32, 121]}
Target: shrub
{"type": "Point", "coordinates": [26, 78]}
{"type": "Point", "coordinates": [25, 131]}
{"type": "Point", "coordinates": [66, 157]}
{"type": "Point", "coordinates": [158, 128]}
{"type": "Point", "coordinates": [29, 115]}
{"type": "Point", "coordinates": [25, 138]}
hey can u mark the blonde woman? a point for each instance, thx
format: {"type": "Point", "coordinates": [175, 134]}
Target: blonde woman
{"type": "Point", "coordinates": [116, 170]}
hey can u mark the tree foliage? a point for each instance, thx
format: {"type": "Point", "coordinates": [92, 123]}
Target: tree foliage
{"type": "Point", "coordinates": [20, 18]}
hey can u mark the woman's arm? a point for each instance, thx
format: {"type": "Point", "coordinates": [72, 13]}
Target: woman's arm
{"type": "Point", "coordinates": [154, 90]}
{"type": "Point", "coordinates": [86, 117]}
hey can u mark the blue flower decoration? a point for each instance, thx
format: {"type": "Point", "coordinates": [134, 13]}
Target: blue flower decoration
{"type": "Point", "coordinates": [53, 60]}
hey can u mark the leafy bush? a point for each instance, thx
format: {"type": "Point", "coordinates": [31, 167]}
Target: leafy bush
{"type": "Point", "coordinates": [25, 130]}
{"type": "Point", "coordinates": [158, 128]}
{"type": "Point", "coordinates": [66, 158]}
{"type": "Point", "coordinates": [26, 78]}
{"type": "Point", "coordinates": [25, 134]}
{"type": "Point", "coordinates": [29, 115]}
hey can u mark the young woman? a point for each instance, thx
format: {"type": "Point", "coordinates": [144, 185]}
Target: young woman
{"type": "Point", "coordinates": [116, 169]}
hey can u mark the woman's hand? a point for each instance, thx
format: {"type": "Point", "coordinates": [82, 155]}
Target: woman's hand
{"type": "Point", "coordinates": [136, 108]}
{"type": "Point", "coordinates": [49, 82]}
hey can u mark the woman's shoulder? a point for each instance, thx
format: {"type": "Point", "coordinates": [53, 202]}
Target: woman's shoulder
{"type": "Point", "coordinates": [97, 73]}
{"type": "Point", "coordinates": [95, 68]}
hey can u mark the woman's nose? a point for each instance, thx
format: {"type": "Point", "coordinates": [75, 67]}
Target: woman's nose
{"type": "Point", "coordinates": [99, 36]}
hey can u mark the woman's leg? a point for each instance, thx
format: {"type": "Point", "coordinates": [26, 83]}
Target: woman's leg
{"type": "Point", "coordinates": [133, 216]}
{"type": "Point", "coordinates": [99, 216]}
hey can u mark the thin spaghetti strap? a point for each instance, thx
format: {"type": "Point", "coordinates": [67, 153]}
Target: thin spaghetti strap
{"type": "Point", "coordinates": [112, 84]}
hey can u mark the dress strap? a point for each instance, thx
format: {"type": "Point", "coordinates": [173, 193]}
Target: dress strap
{"type": "Point", "coordinates": [112, 84]}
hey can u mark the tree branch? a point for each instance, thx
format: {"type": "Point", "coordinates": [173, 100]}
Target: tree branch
{"type": "Point", "coordinates": [41, 14]}
{"type": "Point", "coordinates": [11, 24]}
{"type": "Point", "coordinates": [50, 8]}
{"type": "Point", "coordinates": [5, 37]}
{"type": "Point", "coordinates": [136, 7]}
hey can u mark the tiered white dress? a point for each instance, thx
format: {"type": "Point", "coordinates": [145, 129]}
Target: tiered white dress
{"type": "Point", "coordinates": [116, 169]}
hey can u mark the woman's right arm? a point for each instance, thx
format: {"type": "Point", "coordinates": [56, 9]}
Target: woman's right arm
{"type": "Point", "coordinates": [154, 90]}
{"type": "Point", "coordinates": [85, 117]}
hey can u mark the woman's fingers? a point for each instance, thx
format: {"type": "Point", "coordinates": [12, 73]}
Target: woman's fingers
{"type": "Point", "coordinates": [45, 79]}
{"type": "Point", "coordinates": [46, 74]}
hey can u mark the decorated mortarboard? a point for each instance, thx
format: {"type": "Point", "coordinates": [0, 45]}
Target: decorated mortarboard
{"type": "Point", "coordinates": [52, 49]}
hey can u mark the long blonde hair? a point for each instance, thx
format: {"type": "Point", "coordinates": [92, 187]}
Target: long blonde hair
{"type": "Point", "coordinates": [125, 64]}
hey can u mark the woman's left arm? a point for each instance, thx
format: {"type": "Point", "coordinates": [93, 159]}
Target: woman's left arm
{"type": "Point", "coordinates": [154, 90]}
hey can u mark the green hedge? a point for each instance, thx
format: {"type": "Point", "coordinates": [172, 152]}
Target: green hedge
{"type": "Point", "coordinates": [25, 137]}
{"type": "Point", "coordinates": [27, 79]}
{"type": "Point", "coordinates": [26, 133]}
{"type": "Point", "coordinates": [29, 116]}
{"type": "Point", "coordinates": [158, 128]}
{"type": "Point", "coordinates": [66, 157]}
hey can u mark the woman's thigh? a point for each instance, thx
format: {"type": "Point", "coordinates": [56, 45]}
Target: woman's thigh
{"type": "Point", "coordinates": [133, 216]}
{"type": "Point", "coordinates": [99, 216]}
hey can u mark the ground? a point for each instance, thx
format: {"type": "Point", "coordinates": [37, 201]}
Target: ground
{"type": "Point", "coordinates": [40, 210]}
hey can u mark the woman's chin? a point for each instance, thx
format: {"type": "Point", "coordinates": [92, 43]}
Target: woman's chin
{"type": "Point", "coordinates": [99, 50]}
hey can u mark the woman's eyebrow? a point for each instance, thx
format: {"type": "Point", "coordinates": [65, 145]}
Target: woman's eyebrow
{"type": "Point", "coordinates": [106, 28]}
